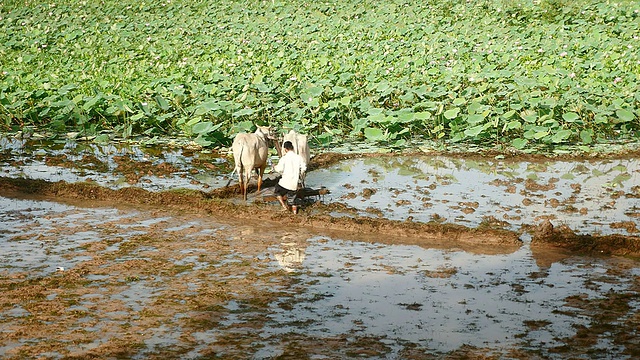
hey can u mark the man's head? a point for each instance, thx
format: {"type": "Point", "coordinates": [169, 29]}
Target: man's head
{"type": "Point", "coordinates": [288, 146]}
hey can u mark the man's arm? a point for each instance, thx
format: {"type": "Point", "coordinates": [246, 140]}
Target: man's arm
{"type": "Point", "coordinates": [279, 166]}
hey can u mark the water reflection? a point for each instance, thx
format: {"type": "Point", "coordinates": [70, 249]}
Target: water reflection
{"type": "Point", "coordinates": [409, 296]}
{"type": "Point", "coordinates": [31, 240]}
{"type": "Point", "coordinates": [291, 257]}
{"type": "Point", "coordinates": [588, 196]}
{"type": "Point", "coordinates": [443, 300]}
{"type": "Point", "coordinates": [157, 167]}
{"type": "Point", "coordinates": [291, 254]}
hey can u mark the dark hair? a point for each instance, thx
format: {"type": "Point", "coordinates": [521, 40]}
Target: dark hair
{"type": "Point", "coordinates": [287, 145]}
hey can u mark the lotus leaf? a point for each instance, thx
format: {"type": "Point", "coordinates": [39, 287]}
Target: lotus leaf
{"type": "Point", "coordinates": [374, 134]}
{"type": "Point", "coordinates": [625, 115]}
{"type": "Point", "coordinates": [462, 65]}
{"type": "Point", "coordinates": [452, 113]}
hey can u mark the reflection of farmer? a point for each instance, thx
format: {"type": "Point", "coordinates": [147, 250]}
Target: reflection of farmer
{"type": "Point", "coordinates": [291, 257]}
{"type": "Point", "coordinates": [290, 166]}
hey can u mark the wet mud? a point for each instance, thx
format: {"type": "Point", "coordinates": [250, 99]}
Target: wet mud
{"type": "Point", "coordinates": [143, 253]}
{"type": "Point", "coordinates": [316, 216]}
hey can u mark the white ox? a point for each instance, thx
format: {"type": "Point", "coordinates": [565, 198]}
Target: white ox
{"type": "Point", "coordinates": [250, 151]}
{"type": "Point", "coordinates": [300, 147]}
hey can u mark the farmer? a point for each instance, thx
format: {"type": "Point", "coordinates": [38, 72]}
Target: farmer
{"type": "Point", "coordinates": [291, 165]}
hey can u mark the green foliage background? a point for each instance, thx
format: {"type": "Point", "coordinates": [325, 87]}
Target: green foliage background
{"type": "Point", "coordinates": [517, 72]}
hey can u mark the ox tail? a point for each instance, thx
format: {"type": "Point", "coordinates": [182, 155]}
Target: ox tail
{"type": "Point", "coordinates": [235, 167]}
{"type": "Point", "coordinates": [231, 177]}
{"type": "Point", "coordinates": [244, 181]}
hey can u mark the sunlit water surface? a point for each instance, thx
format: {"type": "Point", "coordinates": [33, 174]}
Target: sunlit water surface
{"type": "Point", "coordinates": [438, 299]}
{"type": "Point", "coordinates": [588, 196]}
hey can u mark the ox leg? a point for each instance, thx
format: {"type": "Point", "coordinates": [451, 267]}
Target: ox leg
{"type": "Point", "coordinates": [243, 185]}
{"type": "Point", "coordinates": [243, 188]}
{"type": "Point", "coordinates": [260, 174]}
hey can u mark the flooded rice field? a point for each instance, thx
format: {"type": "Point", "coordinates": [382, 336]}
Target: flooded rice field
{"type": "Point", "coordinates": [94, 273]}
{"type": "Point", "coordinates": [589, 196]}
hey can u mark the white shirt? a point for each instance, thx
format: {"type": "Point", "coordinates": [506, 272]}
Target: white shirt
{"type": "Point", "coordinates": [291, 165]}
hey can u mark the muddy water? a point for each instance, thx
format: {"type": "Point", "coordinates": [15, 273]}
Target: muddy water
{"type": "Point", "coordinates": [592, 197]}
{"type": "Point", "coordinates": [152, 167]}
{"type": "Point", "coordinates": [98, 280]}
{"type": "Point", "coordinates": [443, 300]}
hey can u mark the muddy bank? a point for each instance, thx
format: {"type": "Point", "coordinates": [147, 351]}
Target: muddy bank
{"type": "Point", "coordinates": [563, 237]}
{"type": "Point", "coordinates": [318, 216]}
{"type": "Point", "coordinates": [321, 218]}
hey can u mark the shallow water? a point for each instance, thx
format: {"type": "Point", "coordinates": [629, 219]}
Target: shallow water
{"type": "Point", "coordinates": [29, 236]}
{"type": "Point", "coordinates": [590, 196]}
{"type": "Point", "coordinates": [587, 196]}
{"type": "Point", "coordinates": [74, 162]}
{"type": "Point", "coordinates": [398, 296]}
{"type": "Point", "coordinates": [439, 300]}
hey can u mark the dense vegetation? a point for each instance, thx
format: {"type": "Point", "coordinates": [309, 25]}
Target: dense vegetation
{"type": "Point", "coordinates": [520, 73]}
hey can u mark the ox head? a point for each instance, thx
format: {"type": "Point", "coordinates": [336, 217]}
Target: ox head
{"type": "Point", "coordinates": [267, 132]}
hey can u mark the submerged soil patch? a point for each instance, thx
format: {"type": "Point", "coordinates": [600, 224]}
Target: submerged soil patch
{"type": "Point", "coordinates": [415, 191]}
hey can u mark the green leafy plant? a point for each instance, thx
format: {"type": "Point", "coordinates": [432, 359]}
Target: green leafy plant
{"type": "Point", "coordinates": [518, 73]}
